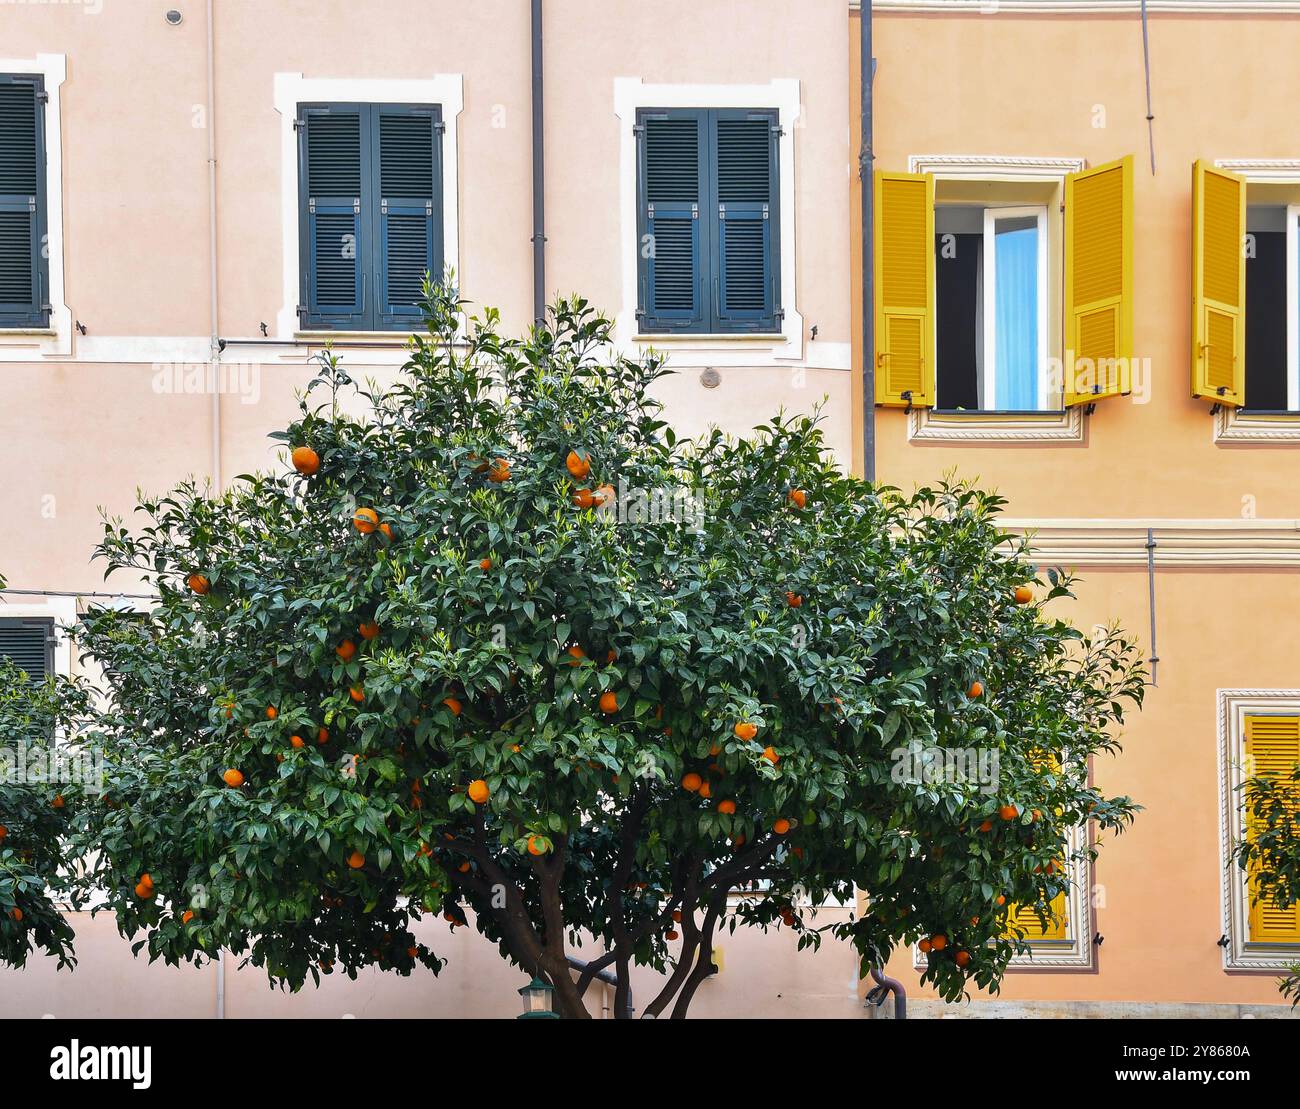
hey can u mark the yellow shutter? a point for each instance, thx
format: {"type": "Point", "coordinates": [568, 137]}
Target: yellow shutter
{"type": "Point", "coordinates": [1098, 282]}
{"type": "Point", "coordinates": [1024, 919]}
{"type": "Point", "coordinates": [904, 288]}
{"type": "Point", "coordinates": [1218, 285]}
{"type": "Point", "coordinates": [1272, 749]}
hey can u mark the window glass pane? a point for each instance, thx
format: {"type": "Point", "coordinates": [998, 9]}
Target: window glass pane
{"type": "Point", "coordinates": [1016, 313]}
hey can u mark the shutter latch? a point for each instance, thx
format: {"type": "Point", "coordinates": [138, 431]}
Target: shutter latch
{"type": "Point", "coordinates": [383, 206]}
{"type": "Point", "coordinates": [722, 211]}
{"type": "Point", "coordinates": [31, 203]}
{"type": "Point", "coordinates": [765, 211]}
{"type": "Point", "coordinates": [356, 205]}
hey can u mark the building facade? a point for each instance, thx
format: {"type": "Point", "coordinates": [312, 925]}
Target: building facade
{"type": "Point", "coordinates": [195, 198]}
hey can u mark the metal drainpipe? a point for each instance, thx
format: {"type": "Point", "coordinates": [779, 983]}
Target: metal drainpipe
{"type": "Point", "coordinates": [214, 353]}
{"type": "Point", "coordinates": [539, 173]}
{"type": "Point", "coordinates": [894, 986]}
{"type": "Point", "coordinates": [865, 160]}
{"type": "Point", "coordinates": [609, 978]}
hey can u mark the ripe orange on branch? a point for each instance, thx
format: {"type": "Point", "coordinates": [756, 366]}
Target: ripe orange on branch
{"type": "Point", "coordinates": [691, 782]}
{"type": "Point", "coordinates": [305, 460]}
{"type": "Point", "coordinates": [578, 465]}
{"type": "Point", "coordinates": [233, 778]}
{"type": "Point", "coordinates": [369, 630]}
{"type": "Point", "coordinates": [365, 520]}
{"type": "Point", "coordinates": [479, 792]}
{"type": "Point", "coordinates": [609, 702]}
{"type": "Point", "coordinates": [745, 730]}
{"type": "Point", "coordinates": [199, 584]}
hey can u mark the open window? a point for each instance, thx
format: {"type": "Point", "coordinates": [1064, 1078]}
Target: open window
{"type": "Point", "coordinates": [1001, 295]}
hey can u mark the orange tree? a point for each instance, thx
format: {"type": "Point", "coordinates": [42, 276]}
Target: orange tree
{"type": "Point", "coordinates": [36, 813]}
{"type": "Point", "coordinates": [498, 645]}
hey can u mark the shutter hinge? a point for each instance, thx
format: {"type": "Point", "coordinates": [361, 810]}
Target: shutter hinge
{"type": "Point", "coordinates": [311, 205]}
{"type": "Point", "coordinates": [383, 206]}
{"type": "Point", "coordinates": [778, 130]}
{"type": "Point", "coordinates": [356, 205]}
{"type": "Point", "coordinates": [765, 215]}
{"type": "Point", "coordinates": [42, 97]}
{"type": "Point", "coordinates": [31, 203]}
{"type": "Point", "coordinates": [439, 128]}
{"type": "Point", "coordinates": [722, 211]}
{"type": "Point", "coordinates": [299, 124]}
{"type": "Point", "coordinates": [638, 129]}
{"type": "Point", "coordinates": [428, 207]}
{"type": "Point", "coordinates": [301, 309]}
{"type": "Point", "coordinates": [780, 315]}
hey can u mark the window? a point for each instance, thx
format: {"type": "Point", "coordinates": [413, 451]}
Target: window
{"type": "Point", "coordinates": [991, 305]}
{"type": "Point", "coordinates": [971, 275]}
{"type": "Point", "coordinates": [370, 213]}
{"type": "Point", "coordinates": [29, 645]}
{"type": "Point", "coordinates": [1259, 734]}
{"type": "Point", "coordinates": [708, 222]}
{"type": "Point", "coordinates": [24, 267]}
{"type": "Point", "coordinates": [1272, 323]}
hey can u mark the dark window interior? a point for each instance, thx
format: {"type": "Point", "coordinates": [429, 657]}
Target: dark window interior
{"type": "Point", "coordinates": [1266, 318]}
{"type": "Point", "coordinates": [957, 295]}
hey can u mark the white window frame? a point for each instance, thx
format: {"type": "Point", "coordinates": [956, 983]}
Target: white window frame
{"type": "Point", "coordinates": [1292, 308]}
{"type": "Point", "coordinates": [18, 344]}
{"type": "Point", "coordinates": [691, 349]}
{"type": "Point", "coordinates": [1241, 953]}
{"type": "Point", "coordinates": [292, 89]}
{"type": "Point", "coordinates": [991, 216]}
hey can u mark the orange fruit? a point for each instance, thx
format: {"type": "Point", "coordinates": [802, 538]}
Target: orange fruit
{"type": "Point", "coordinates": [478, 791]}
{"type": "Point", "coordinates": [365, 520]}
{"type": "Point", "coordinates": [1008, 812]}
{"type": "Point", "coordinates": [412, 952]}
{"type": "Point", "coordinates": [706, 790]}
{"type": "Point", "coordinates": [357, 694]}
{"type": "Point", "coordinates": [297, 742]}
{"type": "Point", "coordinates": [453, 705]}
{"type": "Point", "coordinates": [356, 860]}
{"type": "Point", "coordinates": [199, 584]}
{"type": "Point", "coordinates": [924, 946]}
{"type": "Point", "coordinates": [671, 934]}
{"type": "Point", "coordinates": [793, 599]}
{"type": "Point", "coordinates": [58, 801]}
{"type": "Point", "coordinates": [577, 465]}
{"type": "Point", "coordinates": [187, 916]}
{"type": "Point", "coordinates": [938, 941]}
{"type": "Point", "coordinates": [677, 915]}
{"type": "Point", "coordinates": [346, 650]}
{"type": "Point", "coordinates": [499, 471]}
{"type": "Point", "coordinates": [233, 778]}
{"type": "Point", "coordinates": [715, 749]}
{"type": "Point", "coordinates": [464, 867]}
{"type": "Point", "coordinates": [745, 730]}
{"type": "Point", "coordinates": [1024, 594]}
{"type": "Point", "coordinates": [986, 826]}
{"type": "Point", "coordinates": [386, 530]}
{"type": "Point", "coordinates": [691, 782]}
{"type": "Point", "coordinates": [322, 736]}
{"type": "Point", "coordinates": [603, 495]}
{"type": "Point", "coordinates": [305, 460]}
{"type": "Point", "coordinates": [3, 832]}
{"type": "Point", "coordinates": [584, 498]}
{"type": "Point", "coordinates": [369, 630]}
{"type": "Point", "coordinates": [770, 754]}
{"type": "Point", "coordinates": [609, 701]}
{"type": "Point", "coordinates": [272, 712]}
{"type": "Point", "coordinates": [485, 564]}
{"type": "Point", "coordinates": [16, 914]}
{"type": "Point", "coordinates": [797, 497]}
{"type": "Point", "coordinates": [577, 654]}
{"type": "Point", "coordinates": [781, 826]}
{"type": "Point", "coordinates": [726, 807]}
{"type": "Point", "coordinates": [976, 690]}
{"type": "Point", "coordinates": [143, 892]}
{"type": "Point", "coordinates": [962, 958]}
{"type": "Point", "coordinates": [1035, 816]}
{"type": "Point", "coordinates": [1001, 899]}
{"type": "Point", "coordinates": [146, 879]}
{"type": "Point", "coordinates": [536, 845]}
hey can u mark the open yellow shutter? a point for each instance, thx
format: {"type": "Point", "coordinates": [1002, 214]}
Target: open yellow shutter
{"type": "Point", "coordinates": [1273, 749]}
{"type": "Point", "coordinates": [904, 285]}
{"type": "Point", "coordinates": [1218, 285]}
{"type": "Point", "coordinates": [1098, 282]}
{"type": "Point", "coordinates": [1024, 919]}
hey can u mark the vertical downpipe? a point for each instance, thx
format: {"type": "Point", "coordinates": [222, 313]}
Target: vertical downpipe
{"type": "Point", "coordinates": [866, 158]}
{"type": "Point", "coordinates": [1151, 600]}
{"type": "Point", "coordinates": [539, 173]}
{"type": "Point", "coordinates": [214, 353]}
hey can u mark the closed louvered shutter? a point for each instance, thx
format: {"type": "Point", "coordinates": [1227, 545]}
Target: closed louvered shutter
{"type": "Point", "coordinates": [334, 169]}
{"type": "Point", "coordinates": [1099, 282]}
{"type": "Point", "coordinates": [745, 296]}
{"type": "Point", "coordinates": [22, 203]}
{"type": "Point", "coordinates": [905, 290]}
{"type": "Point", "coordinates": [672, 241]}
{"type": "Point", "coordinates": [409, 153]}
{"type": "Point", "coordinates": [29, 645]}
{"type": "Point", "coordinates": [1218, 285]}
{"type": "Point", "coordinates": [1272, 750]}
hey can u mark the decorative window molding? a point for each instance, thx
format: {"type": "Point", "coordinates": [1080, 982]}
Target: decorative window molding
{"type": "Point", "coordinates": [1231, 424]}
{"type": "Point", "coordinates": [1195, 543]}
{"type": "Point", "coordinates": [1075, 952]}
{"type": "Point", "coordinates": [689, 350]}
{"type": "Point", "coordinates": [22, 344]}
{"type": "Point", "coordinates": [63, 612]}
{"type": "Point", "coordinates": [292, 89]}
{"type": "Point", "coordinates": [1234, 705]}
{"type": "Point", "coordinates": [930, 425]}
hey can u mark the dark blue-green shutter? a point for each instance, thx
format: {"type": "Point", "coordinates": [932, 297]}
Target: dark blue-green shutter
{"type": "Point", "coordinates": [24, 271]}
{"type": "Point", "coordinates": [334, 175]}
{"type": "Point", "coordinates": [745, 272]}
{"type": "Point", "coordinates": [29, 645]}
{"type": "Point", "coordinates": [672, 240]}
{"type": "Point", "coordinates": [408, 151]}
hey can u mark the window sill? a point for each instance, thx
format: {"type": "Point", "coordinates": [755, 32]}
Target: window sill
{"type": "Point", "coordinates": [931, 425]}
{"type": "Point", "coordinates": [1236, 425]}
{"type": "Point", "coordinates": [376, 338]}
{"type": "Point", "coordinates": [766, 338]}
{"type": "Point", "coordinates": [28, 332]}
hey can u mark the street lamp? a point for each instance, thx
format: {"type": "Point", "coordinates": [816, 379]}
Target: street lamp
{"type": "Point", "coordinates": [537, 1000]}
